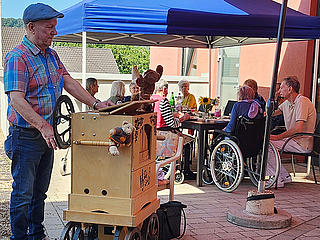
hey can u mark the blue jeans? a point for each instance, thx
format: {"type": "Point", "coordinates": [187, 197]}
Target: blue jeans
{"type": "Point", "coordinates": [32, 162]}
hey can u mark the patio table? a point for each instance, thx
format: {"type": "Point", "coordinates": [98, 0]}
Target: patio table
{"type": "Point", "coordinates": [202, 128]}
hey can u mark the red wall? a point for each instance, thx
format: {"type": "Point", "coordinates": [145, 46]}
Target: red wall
{"type": "Point", "coordinates": [169, 58]}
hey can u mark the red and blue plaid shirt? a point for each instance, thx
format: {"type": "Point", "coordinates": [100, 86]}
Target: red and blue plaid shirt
{"type": "Point", "coordinates": [38, 75]}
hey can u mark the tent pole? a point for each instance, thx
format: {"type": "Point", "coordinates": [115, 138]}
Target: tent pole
{"type": "Point", "coordinates": [209, 72]}
{"type": "Point", "coordinates": [270, 103]}
{"type": "Point", "coordinates": [84, 64]}
{"type": "Point", "coordinates": [1, 67]}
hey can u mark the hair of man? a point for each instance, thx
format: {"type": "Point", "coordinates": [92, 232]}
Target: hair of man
{"type": "Point", "coordinates": [90, 82]}
{"type": "Point", "coordinates": [292, 81]}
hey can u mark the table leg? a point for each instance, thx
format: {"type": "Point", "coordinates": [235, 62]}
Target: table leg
{"type": "Point", "coordinates": [201, 151]}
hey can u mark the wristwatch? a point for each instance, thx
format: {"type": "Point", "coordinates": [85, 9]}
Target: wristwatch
{"type": "Point", "coordinates": [94, 106]}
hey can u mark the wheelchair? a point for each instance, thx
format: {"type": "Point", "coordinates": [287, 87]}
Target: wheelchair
{"type": "Point", "coordinates": [241, 151]}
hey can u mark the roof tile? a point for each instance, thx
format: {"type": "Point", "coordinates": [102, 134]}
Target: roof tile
{"type": "Point", "coordinates": [99, 60]}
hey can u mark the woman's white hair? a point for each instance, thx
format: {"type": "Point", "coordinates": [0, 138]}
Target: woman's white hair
{"type": "Point", "coordinates": [182, 82]}
{"type": "Point", "coordinates": [160, 85]}
{"type": "Point", "coordinates": [117, 89]}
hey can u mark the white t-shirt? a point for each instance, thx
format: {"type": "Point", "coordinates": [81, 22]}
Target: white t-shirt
{"type": "Point", "coordinates": [301, 110]}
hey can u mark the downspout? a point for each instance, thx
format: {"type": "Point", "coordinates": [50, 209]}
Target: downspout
{"type": "Point", "coordinates": [315, 72]}
{"type": "Point", "coordinates": [182, 61]}
{"type": "Point", "coordinates": [188, 61]}
{"type": "Point", "coordinates": [210, 45]}
{"type": "Point", "coordinates": [209, 72]}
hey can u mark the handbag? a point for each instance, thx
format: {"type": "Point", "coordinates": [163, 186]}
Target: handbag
{"type": "Point", "coordinates": [169, 215]}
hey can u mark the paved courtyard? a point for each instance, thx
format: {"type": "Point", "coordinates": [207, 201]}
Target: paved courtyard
{"type": "Point", "coordinates": [207, 208]}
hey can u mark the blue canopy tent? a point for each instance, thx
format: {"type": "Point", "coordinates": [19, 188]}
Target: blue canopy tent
{"type": "Point", "coordinates": [187, 23]}
{"type": "Point", "coordinates": [184, 23]}
{"type": "Point", "coordinates": [176, 23]}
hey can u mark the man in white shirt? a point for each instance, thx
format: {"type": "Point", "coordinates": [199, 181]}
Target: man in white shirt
{"type": "Point", "coordinates": [300, 116]}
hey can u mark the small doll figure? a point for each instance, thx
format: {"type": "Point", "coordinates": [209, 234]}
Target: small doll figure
{"type": "Point", "coordinates": [120, 136]}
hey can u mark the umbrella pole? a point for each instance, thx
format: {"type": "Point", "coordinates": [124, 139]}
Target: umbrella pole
{"type": "Point", "coordinates": [260, 212]}
{"type": "Point", "coordinates": [271, 102]}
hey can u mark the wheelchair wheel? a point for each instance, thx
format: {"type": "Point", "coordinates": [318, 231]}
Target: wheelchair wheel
{"type": "Point", "coordinates": [206, 175]}
{"type": "Point", "coordinates": [227, 165]}
{"type": "Point", "coordinates": [272, 171]}
{"type": "Point", "coordinates": [167, 170]}
{"type": "Point", "coordinates": [179, 177]}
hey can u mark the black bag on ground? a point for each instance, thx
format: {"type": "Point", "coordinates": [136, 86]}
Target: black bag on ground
{"type": "Point", "coordinates": [169, 215]}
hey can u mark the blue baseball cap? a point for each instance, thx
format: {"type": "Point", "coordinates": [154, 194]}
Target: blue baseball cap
{"type": "Point", "coordinates": [40, 11]}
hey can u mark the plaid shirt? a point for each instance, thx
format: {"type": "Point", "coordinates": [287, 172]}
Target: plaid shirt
{"type": "Point", "coordinates": [38, 75]}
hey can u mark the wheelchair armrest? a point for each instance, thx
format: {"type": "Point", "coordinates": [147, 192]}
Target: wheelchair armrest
{"type": "Point", "coordinates": [221, 132]}
{"type": "Point", "coordinates": [221, 135]}
{"type": "Point", "coordinates": [297, 135]}
{"type": "Point", "coordinates": [278, 128]}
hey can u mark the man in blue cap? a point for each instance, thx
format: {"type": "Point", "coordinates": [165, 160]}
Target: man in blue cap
{"type": "Point", "coordinates": [34, 78]}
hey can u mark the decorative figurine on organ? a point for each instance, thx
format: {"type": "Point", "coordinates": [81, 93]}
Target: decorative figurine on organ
{"type": "Point", "coordinates": [147, 81]}
{"type": "Point", "coordinates": [120, 136]}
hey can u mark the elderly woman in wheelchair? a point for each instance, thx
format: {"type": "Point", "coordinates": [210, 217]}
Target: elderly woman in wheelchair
{"type": "Point", "coordinates": [239, 147]}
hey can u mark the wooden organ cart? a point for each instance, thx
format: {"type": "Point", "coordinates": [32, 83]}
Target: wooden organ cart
{"type": "Point", "coordinates": [112, 197]}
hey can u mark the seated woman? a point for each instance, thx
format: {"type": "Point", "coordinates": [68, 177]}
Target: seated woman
{"type": "Point", "coordinates": [246, 106]}
{"type": "Point", "coordinates": [117, 92]}
{"type": "Point", "coordinates": [188, 100]}
{"type": "Point", "coordinates": [168, 121]}
{"type": "Point", "coordinates": [134, 90]}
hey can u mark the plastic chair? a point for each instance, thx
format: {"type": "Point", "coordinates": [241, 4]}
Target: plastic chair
{"type": "Point", "coordinates": [172, 161]}
{"type": "Point", "coordinates": [313, 155]}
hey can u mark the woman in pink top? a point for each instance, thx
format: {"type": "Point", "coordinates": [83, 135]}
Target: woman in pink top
{"type": "Point", "coordinates": [166, 120]}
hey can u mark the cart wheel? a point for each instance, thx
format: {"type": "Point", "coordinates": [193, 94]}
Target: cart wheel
{"type": "Point", "coordinates": [179, 177]}
{"type": "Point", "coordinates": [133, 234]}
{"type": "Point", "coordinates": [150, 228]}
{"type": "Point", "coordinates": [73, 231]}
{"type": "Point", "coordinates": [62, 121]}
{"type": "Point", "coordinates": [92, 233]}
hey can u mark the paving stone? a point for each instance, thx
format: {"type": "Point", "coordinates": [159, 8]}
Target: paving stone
{"type": "Point", "coordinates": [206, 211]}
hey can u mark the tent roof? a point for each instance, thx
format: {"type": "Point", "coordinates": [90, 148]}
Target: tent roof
{"type": "Point", "coordinates": [187, 23]}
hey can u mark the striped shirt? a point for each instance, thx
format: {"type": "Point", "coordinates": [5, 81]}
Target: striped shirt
{"type": "Point", "coordinates": [166, 113]}
{"type": "Point", "coordinates": [38, 75]}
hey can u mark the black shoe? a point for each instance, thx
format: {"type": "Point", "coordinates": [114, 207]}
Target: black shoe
{"type": "Point", "coordinates": [188, 175]}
